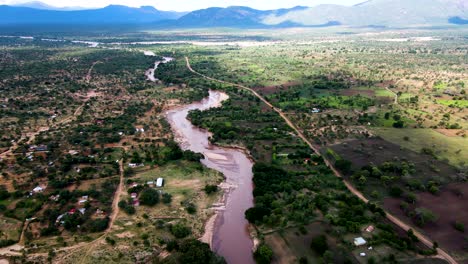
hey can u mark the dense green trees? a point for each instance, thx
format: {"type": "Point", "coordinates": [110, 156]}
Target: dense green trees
{"type": "Point", "coordinates": [149, 197]}
{"type": "Point", "coordinates": [196, 252]}
{"type": "Point", "coordinates": [319, 244]}
{"type": "Point", "coordinates": [263, 254]}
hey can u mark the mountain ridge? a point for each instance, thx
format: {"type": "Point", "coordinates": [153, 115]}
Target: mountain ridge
{"type": "Point", "coordinates": [376, 13]}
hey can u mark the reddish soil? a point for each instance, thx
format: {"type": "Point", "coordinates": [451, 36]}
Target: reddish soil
{"type": "Point", "coordinates": [376, 150]}
{"type": "Point", "coordinates": [351, 92]}
{"type": "Point", "coordinates": [274, 89]}
{"type": "Point", "coordinates": [385, 84]}
{"type": "Point", "coordinates": [450, 206]}
{"type": "Point", "coordinates": [451, 132]}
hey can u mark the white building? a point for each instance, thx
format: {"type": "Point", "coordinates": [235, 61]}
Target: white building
{"type": "Point", "coordinates": [359, 241]}
{"type": "Point", "coordinates": [159, 182]}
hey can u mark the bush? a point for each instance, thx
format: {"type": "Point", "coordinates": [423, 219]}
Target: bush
{"type": "Point", "coordinates": [459, 226]}
{"type": "Point", "coordinates": [98, 225]}
{"type": "Point", "coordinates": [319, 244]}
{"type": "Point", "coordinates": [149, 197]}
{"type": "Point", "coordinates": [166, 198]}
{"type": "Point", "coordinates": [263, 254]}
{"type": "Point", "coordinates": [180, 231]}
{"type": "Point", "coordinates": [6, 242]}
{"type": "Point", "coordinates": [209, 189]}
{"type": "Point", "coordinates": [196, 252]}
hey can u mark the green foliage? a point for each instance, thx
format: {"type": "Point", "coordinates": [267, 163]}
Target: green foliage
{"type": "Point", "coordinates": [319, 244]}
{"type": "Point", "coordinates": [180, 231]}
{"type": "Point", "coordinates": [196, 252]}
{"type": "Point", "coordinates": [149, 197]}
{"type": "Point", "coordinates": [263, 254]}
{"type": "Point", "coordinates": [424, 216]}
{"type": "Point", "coordinates": [209, 189]}
{"type": "Point", "coordinates": [459, 226]}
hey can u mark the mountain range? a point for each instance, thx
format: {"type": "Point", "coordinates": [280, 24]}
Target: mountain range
{"type": "Point", "coordinates": [381, 13]}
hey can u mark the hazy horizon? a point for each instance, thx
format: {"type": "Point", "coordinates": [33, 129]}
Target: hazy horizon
{"type": "Point", "coordinates": [187, 6]}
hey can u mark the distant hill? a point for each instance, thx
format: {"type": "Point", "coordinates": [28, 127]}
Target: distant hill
{"type": "Point", "coordinates": [389, 13]}
{"type": "Point", "coordinates": [43, 6]}
{"type": "Point", "coordinates": [233, 16]}
{"type": "Point", "coordinates": [113, 14]}
{"type": "Point", "coordinates": [372, 13]}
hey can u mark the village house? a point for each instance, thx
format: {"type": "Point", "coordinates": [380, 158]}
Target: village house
{"type": "Point", "coordinates": [359, 241]}
{"type": "Point", "coordinates": [83, 199]}
{"type": "Point", "coordinates": [159, 182]}
{"type": "Point", "coordinates": [38, 189]}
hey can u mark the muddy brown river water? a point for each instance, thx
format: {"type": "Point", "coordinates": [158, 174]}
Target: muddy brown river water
{"type": "Point", "coordinates": [230, 237]}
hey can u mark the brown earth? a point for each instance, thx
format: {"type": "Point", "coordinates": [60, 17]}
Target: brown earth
{"type": "Point", "coordinates": [376, 150]}
{"type": "Point", "coordinates": [351, 92]}
{"type": "Point", "coordinates": [451, 132]}
{"type": "Point", "coordinates": [449, 205]}
{"type": "Point", "coordinates": [267, 90]}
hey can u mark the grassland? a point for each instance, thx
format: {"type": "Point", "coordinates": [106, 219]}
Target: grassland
{"type": "Point", "coordinates": [451, 149]}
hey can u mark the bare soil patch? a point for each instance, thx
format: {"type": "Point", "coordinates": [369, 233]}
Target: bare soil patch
{"type": "Point", "coordinates": [351, 92]}
{"type": "Point", "coordinates": [451, 132]}
{"type": "Point", "coordinates": [376, 150]}
{"type": "Point", "coordinates": [450, 206]}
{"type": "Point", "coordinates": [267, 90]}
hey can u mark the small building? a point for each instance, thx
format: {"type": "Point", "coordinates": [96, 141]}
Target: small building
{"type": "Point", "coordinates": [82, 210]}
{"type": "Point", "coordinates": [136, 202]}
{"type": "Point", "coordinates": [359, 241]}
{"type": "Point", "coordinates": [72, 211]}
{"type": "Point", "coordinates": [159, 182]}
{"type": "Point", "coordinates": [83, 199]}
{"type": "Point", "coordinates": [41, 148]}
{"type": "Point", "coordinates": [315, 110]}
{"type": "Point", "coordinates": [370, 229]}
{"type": "Point", "coordinates": [362, 254]}
{"type": "Point", "coordinates": [150, 183]}
{"type": "Point", "coordinates": [38, 189]}
{"type": "Point", "coordinates": [133, 195]}
{"type": "Point", "coordinates": [55, 198]}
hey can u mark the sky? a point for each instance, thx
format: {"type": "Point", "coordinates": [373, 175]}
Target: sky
{"type": "Point", "coordinates": [189, 5]}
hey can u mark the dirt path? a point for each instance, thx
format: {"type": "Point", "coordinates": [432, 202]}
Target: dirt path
{"type": "Point", "coordinates": [88, 75]}
{"type": "Point", "coordinates": [396, 95]}
{"type": "Point", "coordinates": [441, 253]}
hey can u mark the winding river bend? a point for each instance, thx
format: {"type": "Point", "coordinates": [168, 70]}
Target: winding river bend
{"type": "Point", "coordinates": [230, 237]}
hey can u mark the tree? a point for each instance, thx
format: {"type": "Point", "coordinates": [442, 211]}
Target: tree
{"type": "Point", "coordinates": [319, 244]}
{"type": "Point", "coordinates": [180, 231]}
{"type": "Point", "coordinates": [166, 198]}
{"type": "Point", "coordinates": [196, 252]}
{"type": "Point", "coordinates": [263, 254]}
{"type": "Point", "coordinates": [424, 215]}
{"type": "Point", "coordinates": [209, 189]}
{"type": "Point", "coordinates": [149, 197]}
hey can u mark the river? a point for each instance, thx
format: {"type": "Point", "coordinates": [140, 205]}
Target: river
{"type": "Point", "coordinates": [230, 237]}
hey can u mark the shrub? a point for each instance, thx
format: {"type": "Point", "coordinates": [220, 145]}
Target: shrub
{"type": "Point", "coordinates": [263, 254]}
{"type": "Point", "coordinates": [459, 226]}
{"type": "Point", "coordinates": [319, 244]}
{"type": "Point", "coordinates": [180, 230]}
{"type": "Point", "coordinates": [149, 197]}
{"type": "Point", "coordinates": [209, 189]}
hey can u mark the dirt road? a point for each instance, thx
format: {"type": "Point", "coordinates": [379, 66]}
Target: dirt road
{"type": "Point", "coordinates": [441, 253]}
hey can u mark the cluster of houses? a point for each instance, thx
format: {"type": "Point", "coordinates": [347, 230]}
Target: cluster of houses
{"type": "Point", "coordinates": [360, 241]}
{"type": "Point", "coordinates": [134, 196]}
{"type": "Point", "coordinates": [82, 210]}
